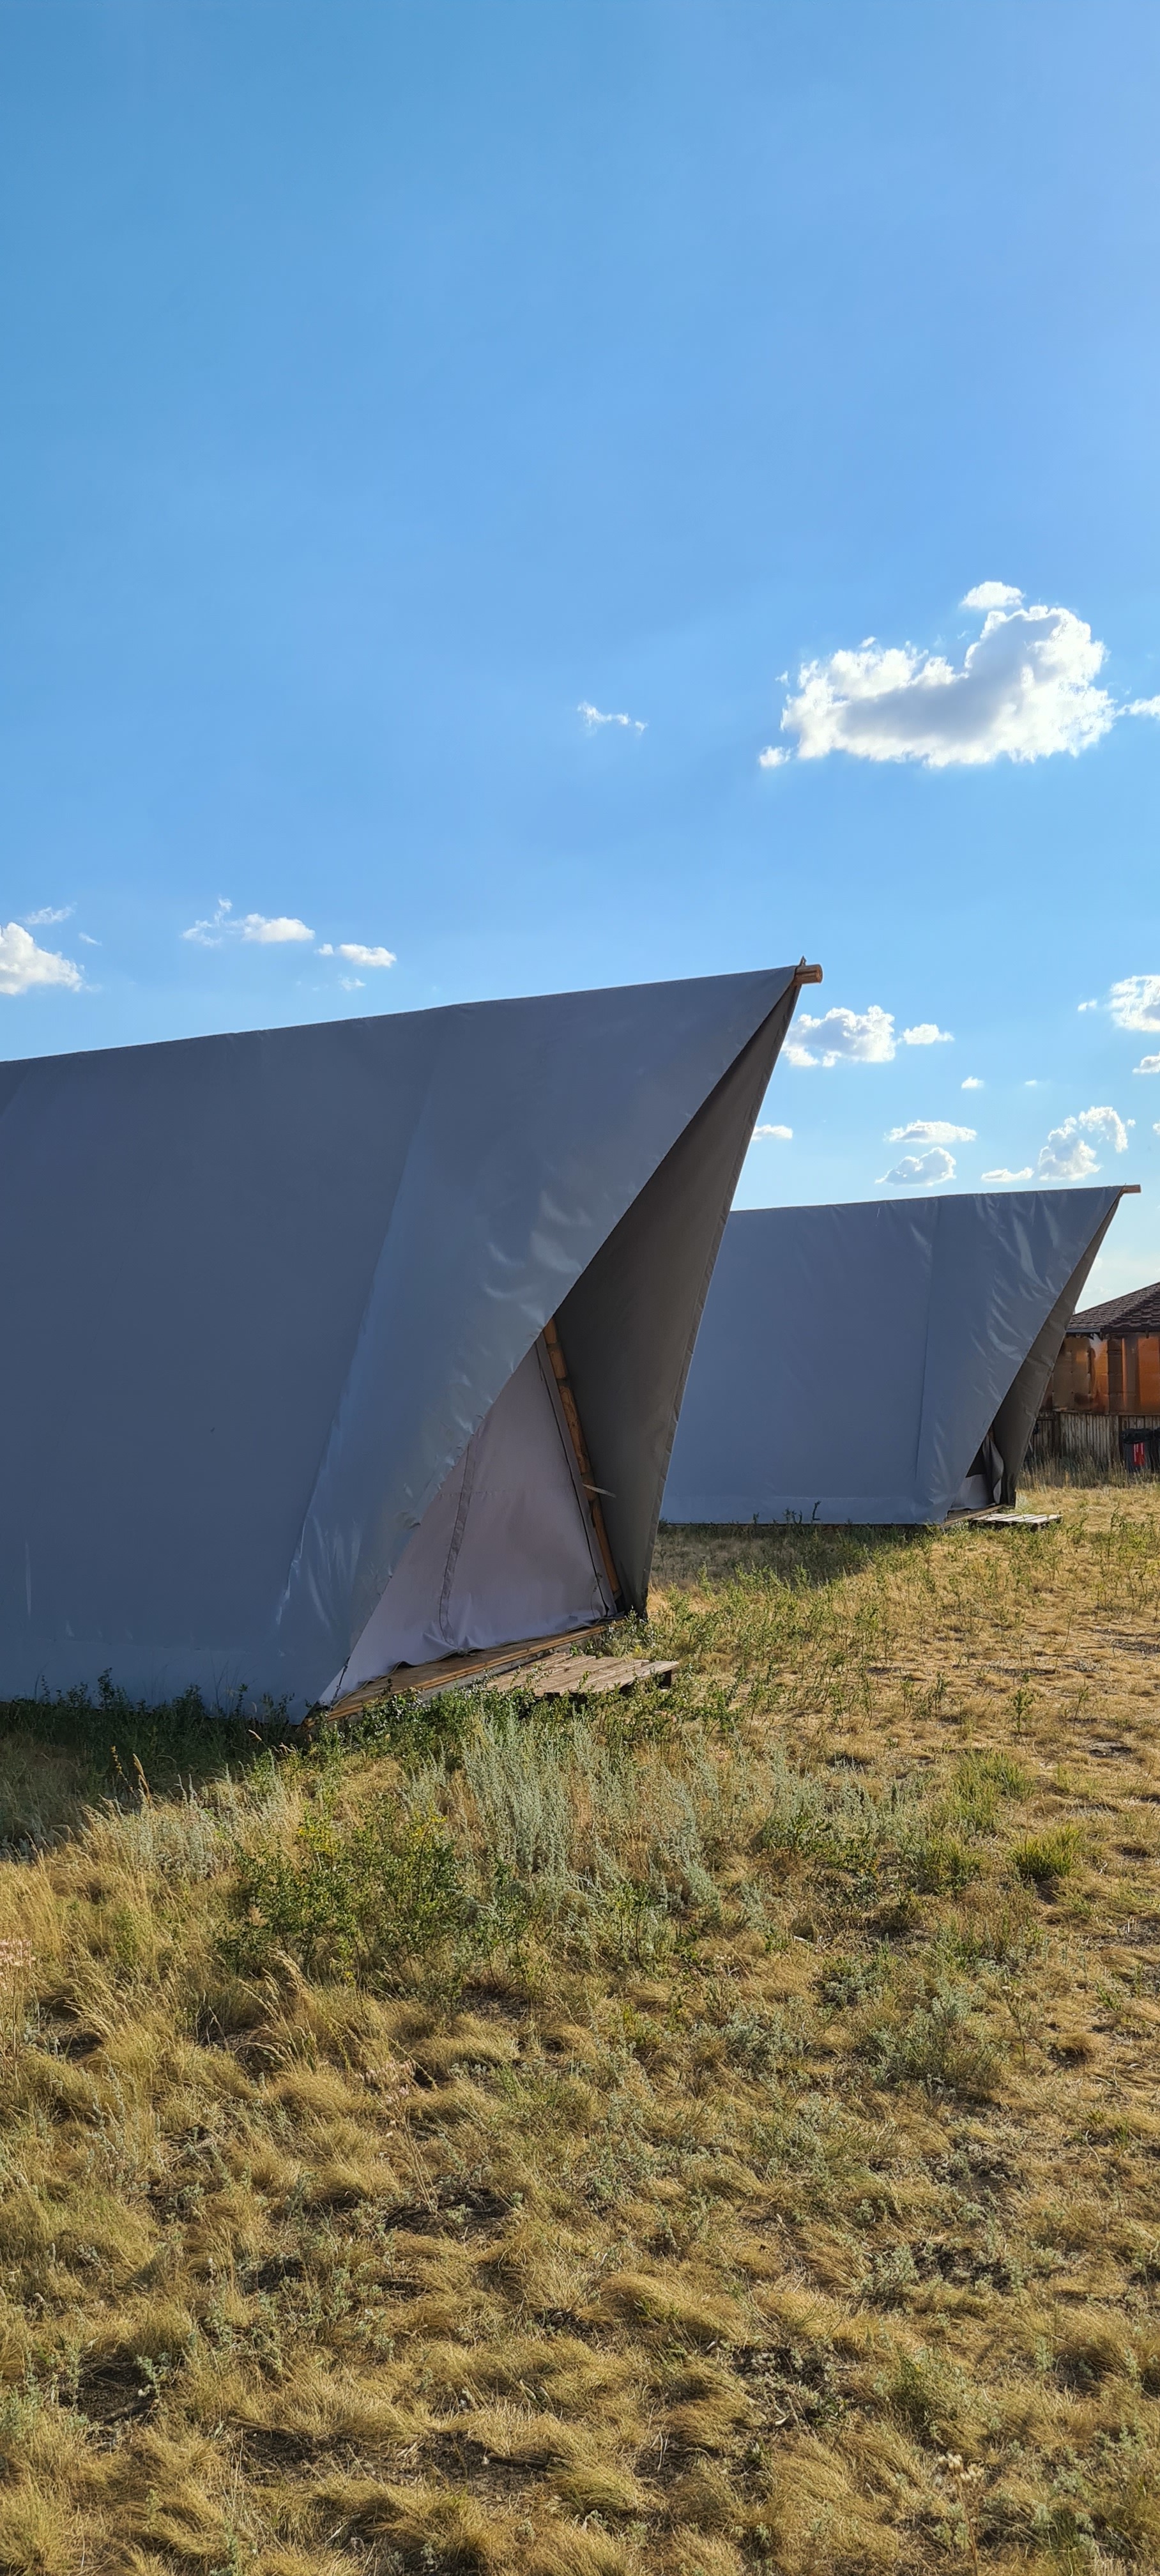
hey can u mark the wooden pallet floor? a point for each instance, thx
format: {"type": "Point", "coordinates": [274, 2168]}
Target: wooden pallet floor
{"type": "Point", "coordinates": [548, 1666]}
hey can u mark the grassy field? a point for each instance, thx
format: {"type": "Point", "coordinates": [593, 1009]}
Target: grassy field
{"type": "Point", "coordinates": [715, 2131]}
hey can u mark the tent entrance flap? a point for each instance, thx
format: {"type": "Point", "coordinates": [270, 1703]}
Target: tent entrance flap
{"type": "Point", "coordinates": [507, 1548]}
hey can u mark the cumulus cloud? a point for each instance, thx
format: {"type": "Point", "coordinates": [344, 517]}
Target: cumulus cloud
{"type": "Point", "coordinates": [1147, 1064]}
{"type": "Point", "coordinates": [772, 758]}
{"type": "Point", "coordinates": [921, 1169]}
{"type": "Point", "coordinates": [1025, 688]}
{"type": "Point", "coordinates": [268, 931]}
{"type": "Point", "coordinates": [1135, 1002]}
{"type": "Point", "coordinates": [1145, 707]}
{"type": "Point", "coordinates": [1087, 1006]}
{"type": "Point", "coordinates": [24, 966]}
{"type": "Point", "coordinates": [843, 1037]}
{"type": "Point", "coordinates": [275, 932]}
{"type": "Point", "coordinates": [992, 594]}
{"type": "Point", "coordinates": [1067, 1155]}
{"type": "Point", "coordinates": [856, 1037]}
{"type": "Point", "coordinates": [973, 1083]}
{"type": "Point", "coordinates": [357, 955]}
{"type": "Point", "coordinates": [931, 1131]}
{"type": "Point", "coordinates": [594, 716]}
{"type": "Point", "coordinates": [1003, 1175]}
{"type": "Point", "coordinates": [785, 1133]}
{"type": "Point", "coordinates": [48, 915]}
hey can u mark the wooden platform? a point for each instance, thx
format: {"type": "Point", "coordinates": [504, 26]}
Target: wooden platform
{"type": "Point", "coordinates": [1003, 1520]}
{"type": "Point", "coordinates": [545, 1665]}
{"type": "Point", "coordinates": [588, 1676]}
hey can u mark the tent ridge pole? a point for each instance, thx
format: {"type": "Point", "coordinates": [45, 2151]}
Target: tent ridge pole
{"type": "Point", "coordinates": [575, 1433]}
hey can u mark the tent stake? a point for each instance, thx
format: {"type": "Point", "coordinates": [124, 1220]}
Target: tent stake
{"type": "Point", "coordinates": [579, 1444]}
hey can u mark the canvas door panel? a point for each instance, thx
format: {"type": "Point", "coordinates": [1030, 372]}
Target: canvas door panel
{"type": "Point", "coordinates": [506, 1550]}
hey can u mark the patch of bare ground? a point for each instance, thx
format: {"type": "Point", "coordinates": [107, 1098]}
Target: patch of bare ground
{"type": "Point", "coordinates": [717, 2131]}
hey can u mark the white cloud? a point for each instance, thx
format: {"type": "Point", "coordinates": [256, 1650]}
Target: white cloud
{"type": "Point", "coordinates": [357, 955]}
{"type": "Point", "coordinates": [1026, 689]}
{"type": "Point", "coordinates": [1067, 1156]}
{"type": "Point", "coordinates": [594, 716]}
{"type": "Point", "coordinates": [49, 914]}
{"type": "Point", "coordinates": [843, 1037]}
{"type": "Point", "coordinates": [992, 594]}
{"type": "Point", "coordinates": [1135, 1002]}
{"type": "Point", "coordinates": [1144, 707]}
{"type": "Point", "coordinates": [856, 1037]}
{"type": "Point", "coordinates": [1156, 1127]}
{"type": "Point", "coordinates": [972, 1083]}
{"type": "Point", "coordinates": [1003, 1175]}
{"type": "Point", "coordinates": [267, 931]}
{"type": "Point", "coordinates": [1147, 1064]}
{"type": "Point", "coordinates": [275, 933]}
{"type": "Point", "coordinates": [931, 1131]}
{"type": "Point", "coordinates": [922, 1169]}
{"type": "Point", "coordinates": [1087, 1006]}
{"type": "Point", "coordinates": [23, 965]}
{"type": "Point", "coordinates": [88, 940]}
{"type": "Point", "coordinates": [772, 758]}
{"type": "Point", "coordinates": [785, 1133]}
{"type": "Point", "coordinates": [1108, 1124]}
{"type": "Point", "coordinates": [352, 983]}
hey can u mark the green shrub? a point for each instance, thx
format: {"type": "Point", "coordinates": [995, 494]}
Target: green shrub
{"type": "Point", "coordinates": [934, 2045]}
{"type": "Point", "coordinates": [368, 1902]}
{"type": "Point", "coordinates": [981, 1781]}
{"type": "Point", "coordinates": [927, 2396]}
{"type": "Point", "coordinates": [850, 1981]}
{"type": "Point", "coordinates": [940, 1865]}
{"type": "Point", "coordinates": [1041, 1860]}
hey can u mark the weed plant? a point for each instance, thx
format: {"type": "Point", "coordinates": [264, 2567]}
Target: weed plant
{"type": "Point", "coordinates": [709, 2131]}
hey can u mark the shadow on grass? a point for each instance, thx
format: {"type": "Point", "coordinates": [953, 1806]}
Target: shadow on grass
{"type": "Point", "coordinates": [803, 1554]}
{"type": "Point", "coordinates": [63, 1753]}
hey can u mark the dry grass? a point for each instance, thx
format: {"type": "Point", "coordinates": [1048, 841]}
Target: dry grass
{"type": "Point", "coordinates": [716, 2134]}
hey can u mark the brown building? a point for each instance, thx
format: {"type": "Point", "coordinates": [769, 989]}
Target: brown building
{"type": "Point", "coordinates": [1103, 1396]}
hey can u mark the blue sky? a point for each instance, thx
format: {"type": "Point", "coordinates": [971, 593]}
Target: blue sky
{"type": "Point", "coordinates": [387, 384]}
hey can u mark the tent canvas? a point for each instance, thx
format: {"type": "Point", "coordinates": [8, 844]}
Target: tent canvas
{"type": "Point", "coordinates": [277, 1406]}
{"type": "Point", "coordinates": [880, 1362]}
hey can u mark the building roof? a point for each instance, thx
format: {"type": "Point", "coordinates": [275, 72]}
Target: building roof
{"type": "Point", "coordinates": [1138, 1312]}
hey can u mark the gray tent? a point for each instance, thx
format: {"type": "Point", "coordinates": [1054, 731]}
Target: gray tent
{"type": "Point", "coordinates": [279, 1410]}
{"type": "Point", "coordinates": [882, 1362]}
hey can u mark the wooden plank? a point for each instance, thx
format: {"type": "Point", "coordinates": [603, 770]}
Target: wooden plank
{"type": "Point", "coordinates": [589, 1676]}
{"type": "Point", "coordinates": [1004, 1521]}
{"type": "Point", "coordinates": [559, 1368]}
{"type": "Point", "coordinates": [409, 1681]}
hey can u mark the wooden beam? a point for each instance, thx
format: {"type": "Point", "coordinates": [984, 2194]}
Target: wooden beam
{"type": "Point", "coordinates": [804, 974]}
{"type": "Point", "coordinates": [559, 1369]}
